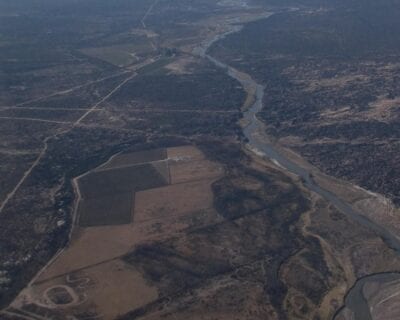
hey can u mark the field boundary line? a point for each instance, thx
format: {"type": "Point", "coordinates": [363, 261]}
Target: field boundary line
{"type": "Point", "coordinates": [35, 120]}
{"type": "Point", "coordinates": [130, 165]}
{"type": "Point", "coordinates": [169, 217]}
{"type": "Point", "coordinates": [143, 21]}
{"type": "Point", "coordinates": [184, 111]}
{"type": "Point", "coordinates": [15, 314]}
{"type": "Point", "coordinates": [78, 269]}
{"type": "Point", "coordinates": [44, 108]}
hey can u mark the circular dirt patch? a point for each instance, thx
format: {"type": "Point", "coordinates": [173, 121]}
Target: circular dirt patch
{"type": "Point", "coordinates": [60, 296]}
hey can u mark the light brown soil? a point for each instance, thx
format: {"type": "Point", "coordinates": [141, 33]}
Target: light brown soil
{"type": "Point", "coordinates": [186, 152]}
{"type": "Point", "coordinates": [182, 171]}
{"type": "Point", "coordinates": [121, 290]}
{"type": "Point", "coordinates": [173, 200]}
{"type": "Point", "coordinates": [181, 66]}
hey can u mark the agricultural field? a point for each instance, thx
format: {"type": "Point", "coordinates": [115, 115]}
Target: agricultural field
{"type": "Point", "coordinates": [113, 186]}
{"type": "Point", "coordinates": [82, 278]}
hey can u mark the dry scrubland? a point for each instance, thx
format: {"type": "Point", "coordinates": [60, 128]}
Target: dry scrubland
{"type": "Point", "coordinates": [85, 81]}
{"type": "Point", "coordinates": [226, 235]}
{"type": "Point", "coordinates": [171, 217]}
{"type": "Point", "coordinates": [332, 73]}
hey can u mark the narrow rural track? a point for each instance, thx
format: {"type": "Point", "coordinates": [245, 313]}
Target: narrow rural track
{"type": "Point", "coordinates": [25, 176]}
{"type": "Point", "coordinates": [156, 110]}
{"type": "Point", "coordinates": [143, 21]}
{"type": "Point", "coordinates": [35, 120]}
{"type": "Point", "coordinates": [103, 99]}
{"type": "Point", "coordinates": [14, 315]}
{"type": "Point", "coordinates": [44, 108]}
{"type": "Point", "coordinates": [66, 91]}
{"type": "Point", "coordinates": [46, 140]}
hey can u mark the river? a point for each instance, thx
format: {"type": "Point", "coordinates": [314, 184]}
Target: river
{"type": "Point", "coordinates": [259, 142]}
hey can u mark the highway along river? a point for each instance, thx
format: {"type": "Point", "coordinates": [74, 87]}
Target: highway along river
{"type": "Point", "coordinates": [258, 140]}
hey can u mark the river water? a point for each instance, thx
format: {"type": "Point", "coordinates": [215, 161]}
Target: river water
{"type": "Point", "coordinates": [259, 142]}
{"type": "Point", "coordinates": [355, 300]}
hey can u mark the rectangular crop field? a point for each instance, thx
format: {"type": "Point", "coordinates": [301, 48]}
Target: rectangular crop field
{"type": "Point", "coordinates": [121, 180]}
{"type": "Point", "coordinates": [111, 210]}
{"type": "Point", "coordinates": [173, 200]}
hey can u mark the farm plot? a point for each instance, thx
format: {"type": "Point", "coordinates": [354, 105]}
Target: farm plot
{"type": "Point", "coordinates": [186, 152]}
{"type": "Point", "coordinates": [121, 180]}
{"type": "Point", "coordinates": [107, 195]}
{"type": "Point", "coordinates": [174, 200]}
{"type": "Point", "coordinates": [122, 288]}
{"type": "Point", "coordinates": [132, 200]}
{"type": "Point", "coordinates": [107, 210]}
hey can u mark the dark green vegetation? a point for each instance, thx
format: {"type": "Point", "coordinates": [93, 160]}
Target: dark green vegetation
{"type": "Point", "coordinates": [332, 77]}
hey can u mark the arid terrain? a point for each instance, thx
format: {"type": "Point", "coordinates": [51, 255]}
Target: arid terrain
{"type": "Point", "coordinates": [176, 196]}
{"type": "Point", "coordinates": [170, 159]}
{"type": "Point", "coordinates": [333, 69]}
